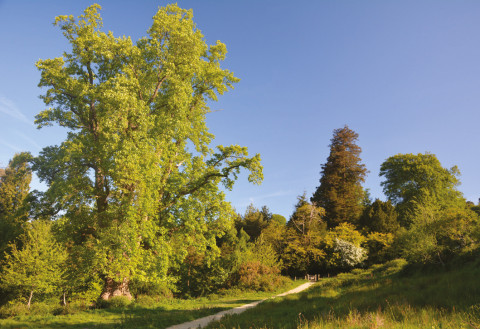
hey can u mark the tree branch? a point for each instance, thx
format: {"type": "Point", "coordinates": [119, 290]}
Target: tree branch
{"type": "Point", "coordinates": [156, 89]}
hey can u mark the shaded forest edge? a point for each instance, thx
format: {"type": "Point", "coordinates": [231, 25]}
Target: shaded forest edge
{"type": "Point", "coordinates": [134, 208]}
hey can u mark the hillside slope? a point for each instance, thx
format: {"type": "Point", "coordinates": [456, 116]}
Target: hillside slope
{"type": "Point", "coordinates": [388, 296]}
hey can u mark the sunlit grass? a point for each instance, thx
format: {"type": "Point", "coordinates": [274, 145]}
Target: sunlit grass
{"type": "Point", "coordinates": [380, 297]}
{"type": "Point", "coordinates": [161, 314]}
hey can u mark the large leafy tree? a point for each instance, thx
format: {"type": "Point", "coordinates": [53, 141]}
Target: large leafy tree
{"type": "Point", "coordinates": [413, 179]}
{"type": "Point", "coordinates": [136, 177]}
{"type": "Point", "coordinates": [14, 199]}
{"type": "Point", "coordinates": [340, 192]}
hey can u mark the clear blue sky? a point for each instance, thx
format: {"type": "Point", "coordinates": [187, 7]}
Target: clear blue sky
{"type": "Point", "coordinates": [405, 75]}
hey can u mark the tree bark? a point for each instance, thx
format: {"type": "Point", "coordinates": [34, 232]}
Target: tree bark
{"type": "Point", "coordinates": [113, 288]}
{"type": "Point", "coordinates": [30, 299]}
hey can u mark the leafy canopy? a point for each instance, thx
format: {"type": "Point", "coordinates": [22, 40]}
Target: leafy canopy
{"type": "Point", "coordinates": [419, 178]}
{"type": "Point", "coordinates": [136, 177]}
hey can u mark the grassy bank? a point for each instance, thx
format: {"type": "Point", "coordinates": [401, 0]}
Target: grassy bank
{"type": "Point", "coordinates": [385, 296]}
{"type": "Point", "coordinates": [159, 314]}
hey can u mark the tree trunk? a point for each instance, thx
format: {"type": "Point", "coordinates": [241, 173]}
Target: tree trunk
{"type": "Point", "coordinates": [113, 288]}
{"type": "Point", "coordinates": [30, 299]}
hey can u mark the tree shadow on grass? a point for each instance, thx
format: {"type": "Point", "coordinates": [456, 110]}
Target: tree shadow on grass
{"type": "Point", "coordinates": [155, 318]}
{"type": "Point", "coordinates": [240, 301]}
{"type": "Point", "coordinates": [136, 318]}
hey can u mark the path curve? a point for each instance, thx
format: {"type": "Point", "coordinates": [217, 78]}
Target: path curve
{"type": "Point", "coordinates": [203, 322]}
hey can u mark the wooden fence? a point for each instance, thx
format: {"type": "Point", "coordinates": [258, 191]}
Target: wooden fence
{"type": "Point", "coordinates": [311, 277]}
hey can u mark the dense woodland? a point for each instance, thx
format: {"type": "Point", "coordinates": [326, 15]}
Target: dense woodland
{"type": "Point", "coordinates": [134, 204]}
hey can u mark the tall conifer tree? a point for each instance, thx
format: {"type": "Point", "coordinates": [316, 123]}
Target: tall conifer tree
{"type": "Point", "coordinates": [340, 192]}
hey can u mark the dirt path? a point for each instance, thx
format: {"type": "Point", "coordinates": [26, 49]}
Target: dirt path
{"type": "Point", "coordinates": [203, 322]}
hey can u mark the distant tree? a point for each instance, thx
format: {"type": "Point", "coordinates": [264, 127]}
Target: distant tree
{"type": "Point", "coordinates": [379, 217]}
{"type": "Point", "coordinates": [36, 268]}
{"type": "Point", "coordinates": [267, 215]}
{"type": "Point", "coordinates": [14, 199]}
{"type": "Point", "coordinates": [302, 251]}
{"type": "Point", "coordinates": [307, 217]}
{"type": "Point", "coordinates": [416, 179]}
{"type": "Point", "coordinates": [253, 222]}
{"type": "Point", "coordinates": [475, 208]}
{"type": "Point", "coordinates": [278, 219]}
{"type": "Point", "coordinates": [367, 198]}
{"type": "Point", "coordinates": [340, 192]}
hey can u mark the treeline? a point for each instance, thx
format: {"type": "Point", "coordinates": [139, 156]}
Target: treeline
{"type": "Point", "coordinates": [425, 219]}
{"type": "Point", "coordinates": [134, 204]}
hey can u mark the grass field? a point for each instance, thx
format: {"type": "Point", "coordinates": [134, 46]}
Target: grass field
{"type": "Point", "coordinates": [159, 315]}
{"type": "Point", "coordinates": [385, 296]}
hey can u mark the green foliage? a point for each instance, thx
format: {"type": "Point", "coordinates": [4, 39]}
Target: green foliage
{"type": "Point", "coordinates": [36, 268]}
{"type": "Point", "coordinates": [380, 247]}
{"type": "Point", "coordinates": [307, 217]}
{"type": "Point", "coordinates": [302, 250]}
{"type": "Point", "coordinates": [14, 200]}
{"type": "Point", "coordinates": [259, 277]}
{"type": "Point", "coordinates": [278, 219]}
{"type": "Point", "coordinates": [437, 235]}
{"type": "Point", "coordinates": [202, 273]}
{"type": "Point", "coordinates": [136, 179]}
{"type": "Point", "coordinates": [274, 234]}
{"type": "Point", "coordinates": [114, 302]}
{"type": "Point", "coordinates": [340, 192]}
{"type": "Point", "coordinates": [379, 217]}
{"type": "Point", "coordinates": [411, 179]}
{"type": "Point", "coordinates": [253, 222]}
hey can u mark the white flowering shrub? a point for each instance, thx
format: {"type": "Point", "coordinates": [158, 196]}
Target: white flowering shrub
{"type": "Point", "coordinates": [350, 255]}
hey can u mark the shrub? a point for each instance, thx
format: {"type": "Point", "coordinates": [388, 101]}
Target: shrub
{"type": "Point", "coordinates": [114, 302]}
{"type": "Point", "coordinates": [39, 308]}
{"type": "Point", "coordinates": [350, 255]}
{"type": "Point", "coordinates": [257, 276]}
{"type": "Point", "coordinates": [13, 309]}
{"type": "Point", "coordinates": [146, 300]}
{"type": "Point", "coordinates": [44, 308]}
{"type": "Point", "coordinates": [151, 289]}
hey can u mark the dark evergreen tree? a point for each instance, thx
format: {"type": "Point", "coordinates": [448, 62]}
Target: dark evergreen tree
{"type": "Point", "coordinates": [380, 217]}
{"type": "Point", "coordinates": [340, 192]}
{"type": "Point", "coordinates": [253, 222]}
